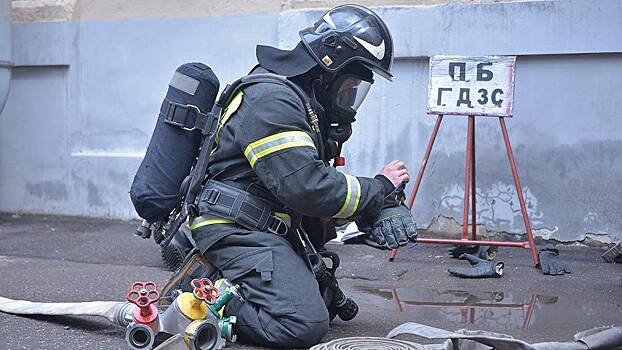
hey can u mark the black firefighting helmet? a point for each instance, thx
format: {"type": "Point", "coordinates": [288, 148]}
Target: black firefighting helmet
{"type": "Point", "coordinates": [348, 34]}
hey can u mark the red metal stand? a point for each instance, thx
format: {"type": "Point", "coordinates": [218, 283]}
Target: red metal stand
{"type": "Point", "coordinates": [470, 186]}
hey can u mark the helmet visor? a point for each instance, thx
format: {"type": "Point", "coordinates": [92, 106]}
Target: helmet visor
{"type": "Point", "coordinates": [351, 92]}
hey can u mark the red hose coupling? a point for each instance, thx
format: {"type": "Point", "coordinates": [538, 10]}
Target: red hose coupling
{"type": "Point", "coordinates": [339, 161]}
{"type": "Point", "coordinates": [203, 289]}
{"type": "Point", "coordinates": [144, 295]}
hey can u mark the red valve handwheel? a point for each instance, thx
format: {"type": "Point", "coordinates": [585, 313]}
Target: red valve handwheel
{"type": "Point", "coordinates": [203, 289]}
{"type": "Point", "coordinates": [144, 295]}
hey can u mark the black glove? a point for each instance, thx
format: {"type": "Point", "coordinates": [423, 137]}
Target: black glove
{"type": "Point", "coordinates": [482, 251]}
{"type": "Point", "coordinates": [393, 228]}
{"type": "Point", "coordinates": [550, 263]}
{"type": "Point", "coordinates": [480, 268]}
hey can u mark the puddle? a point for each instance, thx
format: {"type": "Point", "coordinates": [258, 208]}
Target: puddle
{"type": "Point", "coordinates": [493, 310]}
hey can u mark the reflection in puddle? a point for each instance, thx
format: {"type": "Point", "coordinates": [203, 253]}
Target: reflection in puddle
{"type": "Point", "coordinates": [484, 309]}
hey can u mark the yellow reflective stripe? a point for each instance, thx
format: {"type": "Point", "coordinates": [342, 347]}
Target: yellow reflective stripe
{"type": "Point", "coordinates": [353, 197]}
{"type": "Point", "coordinates": [231, 108]}
{"type": "Point", "coordinates": [273, 149]}
{"type": "Point", "coordinates": [282, 215]}
{"type": "Point", "coordinates": [210, 222]}
{"type": "Point", "coordinates": [277, 142]}
{"type": "Point", "coordinates": [287, 219]}
{"type": "Point", "coordinates": [276, 137]}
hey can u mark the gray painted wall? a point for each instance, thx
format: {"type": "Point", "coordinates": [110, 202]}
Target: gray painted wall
{"type": "Point", "coordinates": [85, 99]}
{"type": "Point", "coordinates": [86, 94]}
{"type": "Point", "coordinates": [5, 50]}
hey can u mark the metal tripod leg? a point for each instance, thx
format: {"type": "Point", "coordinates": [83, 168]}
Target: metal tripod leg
{"type": "Point", "coordinates": [473, 190]}
{"type": "Point", "coordinates": [424, 163]}
{"type": "Point", "coordinates": [467, 179]}
{"type": "Point", "coordinates": [519, 192]}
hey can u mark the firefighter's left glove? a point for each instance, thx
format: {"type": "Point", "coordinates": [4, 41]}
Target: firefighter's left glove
{"type": "Point", "coordinates": [393, 228]}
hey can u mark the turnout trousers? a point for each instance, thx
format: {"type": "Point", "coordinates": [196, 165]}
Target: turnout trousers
{"type": "Point", "coordinates": [282, 304]}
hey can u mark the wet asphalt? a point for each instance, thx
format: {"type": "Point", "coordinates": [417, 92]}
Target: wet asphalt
{"type": "Point", "coordinates": [67, 259]}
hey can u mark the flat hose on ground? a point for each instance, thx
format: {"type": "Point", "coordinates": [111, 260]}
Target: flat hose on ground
{"type": "Point", "coordinates": [368, 343]}
{"type": "Point", "coordinates": [113, 311]}
{"type": "Point", "coordinates": [600, 338]}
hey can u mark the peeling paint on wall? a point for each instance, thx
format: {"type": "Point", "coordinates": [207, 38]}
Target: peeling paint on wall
{"type": "Point", "coordinates": [497, 204]}
{"type": "Point", "coordinates": [449, 227]}
{"type": "Point", "coordinates": [6, 261]}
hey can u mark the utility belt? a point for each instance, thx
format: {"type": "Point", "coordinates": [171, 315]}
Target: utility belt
{"type": "Point", "coordinates": [220, 203]}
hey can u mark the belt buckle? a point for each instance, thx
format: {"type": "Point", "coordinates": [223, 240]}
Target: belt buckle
{"type": "Point", "coordinates": [212, 195]}
{"type": "Point", "coordinates": [281, 226]}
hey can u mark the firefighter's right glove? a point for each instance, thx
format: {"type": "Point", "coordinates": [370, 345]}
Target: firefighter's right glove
{"type": "Point", "coordinates": [393, 228]}
{"type": "Point", "coordinates": [480, 268]}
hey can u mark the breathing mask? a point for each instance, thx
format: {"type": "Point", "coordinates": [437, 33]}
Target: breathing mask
{"type": "Point", "coordinates": [345, 95]}
{"type": "Point", "coordinates": [340, 98]}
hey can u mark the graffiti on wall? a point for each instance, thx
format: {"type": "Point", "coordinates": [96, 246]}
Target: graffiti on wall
{"type": "Point", "coordinates": [497, 205]}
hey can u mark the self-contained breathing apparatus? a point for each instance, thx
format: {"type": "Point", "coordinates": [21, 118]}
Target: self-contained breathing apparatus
{"type": "Point", "coordinates": [197, 193]}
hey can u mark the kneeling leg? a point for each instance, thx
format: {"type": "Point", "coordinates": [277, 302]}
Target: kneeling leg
{"type": "Point", "coordinates": [283, 306]}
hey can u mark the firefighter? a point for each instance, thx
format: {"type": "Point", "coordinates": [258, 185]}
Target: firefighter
{"type": "Point", "coordinates": [269, 175]}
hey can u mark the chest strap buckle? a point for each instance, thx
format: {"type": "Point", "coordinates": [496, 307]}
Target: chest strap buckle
{"type": "Point", "coordinates": [277, 226]}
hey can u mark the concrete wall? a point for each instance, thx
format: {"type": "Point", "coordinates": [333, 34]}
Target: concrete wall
{"type": "Point", "coordinates": [86, 95]}
{"type": "Point", "coordinates": [88, 10]}
{"type": "Point", "coordinates": [5, 50]}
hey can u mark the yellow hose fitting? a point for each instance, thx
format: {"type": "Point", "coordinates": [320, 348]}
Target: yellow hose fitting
{"type": "Point", "coordinates": [191, 307]}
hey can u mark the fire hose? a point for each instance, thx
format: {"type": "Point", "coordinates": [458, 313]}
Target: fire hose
{"type": "Point", "coordinates": [600, 338]}
{"type": "Point", "coordinates": [194, 319]}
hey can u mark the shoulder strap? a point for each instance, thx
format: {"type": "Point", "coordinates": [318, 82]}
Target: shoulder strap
{"type": "Point", "coordinates": [192, 185]}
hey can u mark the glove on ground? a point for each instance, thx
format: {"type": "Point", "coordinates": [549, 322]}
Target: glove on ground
{"type": "Point", "coordinates": [550, 263]}
{"type": "Point", "coordinates": [482, 252]}
{"type": "Point", "coordinates": [480, 268]}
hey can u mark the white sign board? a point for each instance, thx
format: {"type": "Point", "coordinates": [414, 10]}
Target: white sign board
{"type": "Point", "coordinates": [471, 85]}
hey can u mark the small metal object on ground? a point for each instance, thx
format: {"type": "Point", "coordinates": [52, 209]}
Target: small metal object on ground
{"type": "Point", "coordinates": [613, 254]}
{"type": "Point", "coordinates": [368, 343]}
